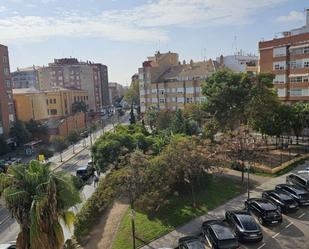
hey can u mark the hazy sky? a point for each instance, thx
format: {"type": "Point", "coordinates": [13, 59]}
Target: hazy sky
{"type": "Point", "coordinates": [122, 33]}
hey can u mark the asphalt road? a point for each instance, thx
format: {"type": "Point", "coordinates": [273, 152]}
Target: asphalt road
{"type": "Point", "coordinates": [9, 228]}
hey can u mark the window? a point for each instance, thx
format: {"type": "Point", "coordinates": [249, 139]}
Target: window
{"type": "Point", "coordinates": [189, 90]}
{"type": "Point", "coordinates": [306, 50]}
{"type": "Point", "coordinates": [189, 100]}
{"type": "Point", "coordinates": [47, 102]}
{"type": "Point", "coordinates": [279, 52]}
{"type": "Point", "coordinates": [180, 90]}
{"type": "Point", "coordinates": [53, 111]}
{"type": "Point", "coordinates": [306, 63]}
{"type": "Point", "coordinates": [296, 79]}
{"type": "Point", "coordinates": [162, 100]}
{"type": "Point", "coordinates": [8, 83]}
{"type": "Point", "coordinates": [50, 101]}
{"type": "Point", "coordinates": [279, 65]}
{"type": "Point", "coordinates": [280, 79]}
{"type": "Point", "coordinates": [54, 101]}
{"type": "Point", "coordinates": [161, 91]}
{"type": "Point", "coordinates": [6, 71]}
{"type": "Point", "coordinates": [5, 59]}
{"type": "Point", "coordinates": [296, 92]}
{"type": "Point", "coordinates": [281, 92]}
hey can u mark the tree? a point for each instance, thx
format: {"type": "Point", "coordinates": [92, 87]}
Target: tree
{"type": "Point", "coordinates": [73, 138]}
{"type": "Point", "coordinates": [151, 116]}
{"type": "Point", "coordinates": [79, 107]}
{"type": "Point", "coordinates": [36, 128]}
{"type": "Point", "coordinates": [227, 95]}
{"type": "Point", "coordinates": [132, 116]}
{"type": "Point", "coordinates": [178, 122]}
{"type": "Point", "coordinates": [132, 94]}
{"type": "Point", "coordinates": [210, 129]}
{"type": "Point", "coordinates": [299, 118]}
{"type": "Point", "coordinates": [20, 132]}
{"type": "Point", "coordinates": [195, 112]}
{"type": "Point", "coordinates": [241, 146]}
{"type": "Point", "coordinates": [59, 144]}
{"type": "Point", "coordinates": [38, 199]}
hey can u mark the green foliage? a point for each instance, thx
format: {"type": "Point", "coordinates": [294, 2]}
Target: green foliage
{"type": "Point", "coordinates": [178, 122]}
{"type": "Point", "coordinates": [36, 128]}
{"type": "Point", "coordinates": [132, 94]}
{"type": "Point", "coordinates": [20, 132]}
{"type": "Point", "coordinates": [4, 148]}
{"type": "Point", "coordinates": [151, 118]}
{"type": "Point", "coordinates": [132, 116]}
{"type": "Point", "coordinates": [73, 136]}
{"type": "Point", "coordinates": [46, 152]}
{"type": "Point", "coordinates": [37, 198]}
{"type": "Point", "coordinates": [300, 118]}
{"type": "Point", "coordinates": [210, 129]}
{"type": "Point", "coordinates": [79, 107]}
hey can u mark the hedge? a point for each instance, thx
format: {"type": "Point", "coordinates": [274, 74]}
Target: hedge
{"type": "Point", "coordinates": [108, 189]}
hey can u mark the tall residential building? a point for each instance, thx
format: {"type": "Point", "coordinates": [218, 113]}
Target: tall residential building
{"type": "Point", "coordinates": [7, 116]}
{"type": "Point", "coordinates": [165, 83]}
{"type": "Point", "coordinates": [33, 104]}
{"type": "Point", "coordinates": [239, 62]}
{"type": "Point", "coordinates": [115, 91]}
{"type": "Point", "coordinates": [287, 58]}
{"type": "Point", "coordinates": [26, 77]}
{"type": "Point", "coordinates": [74, 74]}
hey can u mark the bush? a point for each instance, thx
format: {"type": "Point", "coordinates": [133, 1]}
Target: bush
{"type": "Point", "coordinates": [78, 182]}
{"type": "Point", "coordinates": [4, 148]}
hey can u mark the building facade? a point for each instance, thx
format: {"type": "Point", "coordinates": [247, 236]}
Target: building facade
{"type": "Point", "coordinates": [239, 62]}
{"type": "Point", "coordinates": [7, 116]}
{"type": "Point", "coordinates": [41, 105]}
{"type": "Point", "coordinates": [73, 74]}
{"type": "Point", "coordinates": [115, 91]}
{"type": "Point", "coordinates": [288, 59]}
{"type": "Point", "coordinates": [26, 78]}
{"type": "Point", "coordinates": [165, 83]}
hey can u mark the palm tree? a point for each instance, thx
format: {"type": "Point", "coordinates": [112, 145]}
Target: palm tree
{"type": "Point", "coordinates": [38, 199]}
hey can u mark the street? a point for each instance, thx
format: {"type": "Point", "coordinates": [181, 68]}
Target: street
{"type": "Point", "coordinates": [292, 233]}
{"type": "Point", "coordinates": [9, 228]}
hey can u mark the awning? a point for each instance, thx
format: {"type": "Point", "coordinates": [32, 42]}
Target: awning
{"type": "Point", "coordinates": [299, 75]}
{"type": "Point", "coordinates": [300, 46]}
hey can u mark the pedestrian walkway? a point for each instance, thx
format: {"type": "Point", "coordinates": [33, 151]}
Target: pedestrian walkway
{"type": "Point", "coordinates": [102, 235]}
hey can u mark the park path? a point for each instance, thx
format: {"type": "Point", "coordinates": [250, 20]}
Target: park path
{"type": "Point", "coordinates": [102, 235]}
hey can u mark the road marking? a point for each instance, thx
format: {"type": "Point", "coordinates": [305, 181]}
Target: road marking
{"type": "Point", "coordinates": [301, 215]}
{"type": "Point", "coordinates": [262, 246]}
{"type": "Point", "coordinates": [275, 235]}
{"type": "Point", "coordinates": [289, 225]}
{"type": "Point", "coordinates": [4, 220]}
{"type": "Point", "coordinates": [207, 240]}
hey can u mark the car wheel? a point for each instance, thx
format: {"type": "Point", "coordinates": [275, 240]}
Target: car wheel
{"type": "Point", "coordinates": [261, 220]}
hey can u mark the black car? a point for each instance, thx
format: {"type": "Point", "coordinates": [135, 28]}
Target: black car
{"type": "Point", "coordinates": [300, 179]}
{"type": "Point", "coordinates": [85, 172]}
{"type": "Point", "coordinates": [244, 226]}
{"type": "Point", "coordinates": [219, 235]}
{"type": "Point", "coordinates": [266, 212]}
{"type": "Point", "coordinates": [282, 200]}
{"type": "Point", "coordinates": [191, 242]}
{"type": "Point", "coordinates": [299, 194]}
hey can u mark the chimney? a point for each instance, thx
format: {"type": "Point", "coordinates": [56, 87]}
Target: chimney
{"type": "Point", "coordinates": [307, 17]}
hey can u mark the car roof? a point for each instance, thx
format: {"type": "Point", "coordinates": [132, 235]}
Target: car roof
{"type": "Point", "coordinates": [264, 204]}
{"type": "Point", "coordinates": [5, 246]}
{"type": "Point", "coordinates": [303, 174]}
{"type": "Point", "coordinates": [281, 194]}
{"type": "Point", "coordinates": [82, 168]}
{"type": "Point", "coordinates": [240, 212]}
{"type": "Point", "coordinates": [222, 231]}
{"type": "Point", "coordinates": [297, 189]}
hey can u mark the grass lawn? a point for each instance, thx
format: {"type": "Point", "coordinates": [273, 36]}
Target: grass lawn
{"type": "Point", "coordinates": [213, 192]}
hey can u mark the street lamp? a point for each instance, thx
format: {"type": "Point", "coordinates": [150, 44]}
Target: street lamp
{"type": "Point", "coordinates": [248, 180]}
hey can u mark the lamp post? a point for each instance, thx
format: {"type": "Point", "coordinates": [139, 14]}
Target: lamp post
{"type": "Point", "coordinates": [248, 181]}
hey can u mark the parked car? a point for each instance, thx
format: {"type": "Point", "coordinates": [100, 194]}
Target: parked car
{"type": "Point", "coordinates": [9, 245]}
{"type": "Point", "coordinates": [282, 200]}
{"type": "Point", "coordinates": [266, 212]}
{"type": "Point", "coordinates": [244, 226]}
{"type": "Point", "coordinates": [85, 172]}
{"type": "Point", "coordinates": [191, 242]}
{"type": "Point", "coordinates": [219, 235]}
{"type": "Point", "coordinates": [298, 193]}
{"type": "Point", "coordinates": [299, 179]}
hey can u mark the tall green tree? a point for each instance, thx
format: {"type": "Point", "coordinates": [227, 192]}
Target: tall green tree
{"type": "Point", "coordinates": [20, 132]}
{"type": "Point", "coordinates": [132, 94]}
{"type": "Point", "coordinates": [38, 199]}
{"type": "Point", "coordinates": [178, 122]}
{"type": "Point", "coordinates": [36, 128]}
{"type": "Point", "coordinates": [227, 96]}
{"type": "Point", "coordinates": [151, 116]}
{"type": "Point", "coordinates": [132, 116]}
{"type": "Point", "coordinates": [79, 106]}
{"type": "Point", "coordinates": [299, 118]}
{"type": "Point", "coordinates": [73, 138]}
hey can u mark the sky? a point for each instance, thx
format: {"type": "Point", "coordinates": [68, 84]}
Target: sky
{"type": "Point", "coordinates": [122, 33]}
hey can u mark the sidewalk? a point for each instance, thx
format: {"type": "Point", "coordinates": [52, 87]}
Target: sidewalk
{"type": "Point", "coordinates": [194, 226]}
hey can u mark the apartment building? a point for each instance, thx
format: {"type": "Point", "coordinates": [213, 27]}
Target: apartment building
{"type": "Point", "coordinates": [239, 62]}
{"type": "Point", "coordinates": [287, 58]}
{"type": "Point", "coordinates": [115, 91]}
{"type": "Point", "coordinates": [7, 116]}
{"type": "Point", "coordinates": [165, 83]}
{"type": "Point", "coordinates": [33, 104]}
{"type": "Point", "coordinates": [26, 78]}
{"type": "Point", "coordinates": [73, 74]}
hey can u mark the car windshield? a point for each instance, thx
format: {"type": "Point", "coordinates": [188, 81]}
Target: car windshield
{"type": "Point", "coordinates": [228, 243]}
{"type": "Point", "coordinates": [195, 245]}
{"type": "Point", "coordinates": [271, 213]}
{"type": "Point", "coordinates": [248, 222]}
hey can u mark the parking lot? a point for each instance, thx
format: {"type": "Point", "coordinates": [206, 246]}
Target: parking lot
{"type": "Point", "coordinates": [292, 233]}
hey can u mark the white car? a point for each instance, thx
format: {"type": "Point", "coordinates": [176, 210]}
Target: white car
{"type": "Point", "coordinates": [9, 245]}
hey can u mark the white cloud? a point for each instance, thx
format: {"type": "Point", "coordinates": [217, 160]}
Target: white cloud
{"type": "Point", "coordinates": [293, 16]}
{"type": "Point", "coordinates": [2, 9]}
{"type": "Point", "coordinates": [146, 22]}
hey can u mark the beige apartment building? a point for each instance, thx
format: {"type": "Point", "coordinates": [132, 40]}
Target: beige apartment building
{"type": "Point", "coordinates": [166, 83]}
